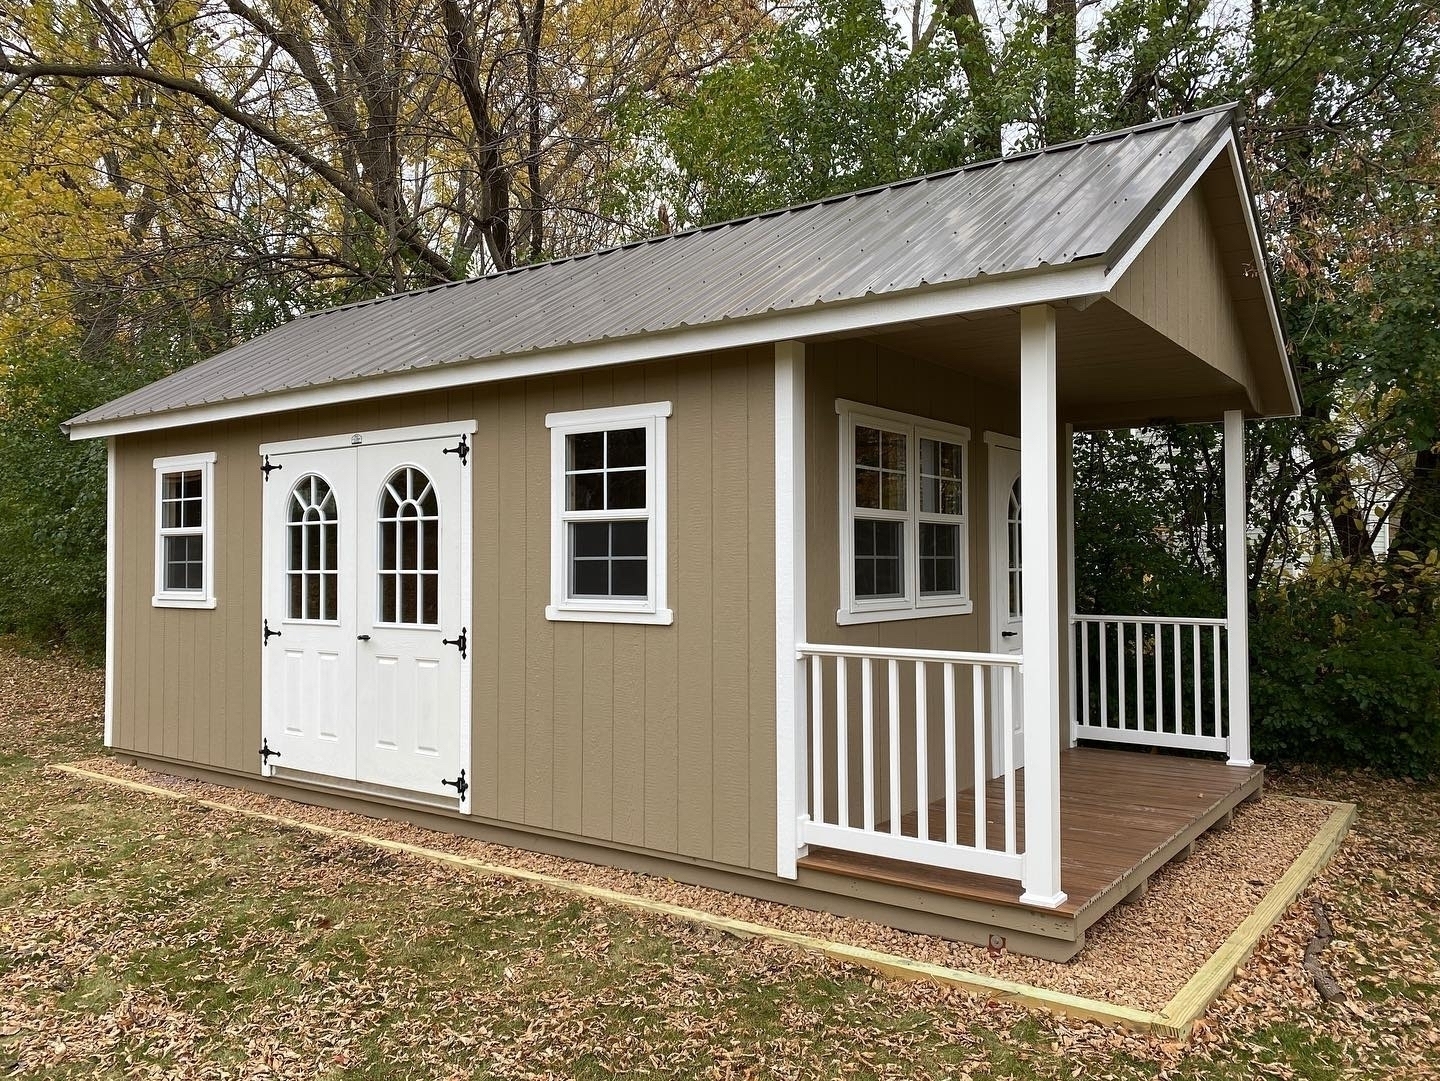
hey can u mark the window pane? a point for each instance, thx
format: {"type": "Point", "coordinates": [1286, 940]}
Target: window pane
{"type": "Point", "coordinates": [586, 450]}
{"type": "Point", "coordinates": [389, 503]}
{"type": "Point", "coordinates": [625, 447]}
{"type": "Point", "coordinates": [190, 513]}
{"type": "Point", "coordinates": [429, 505]}
{"type": "Point", "coordinates": [332, 547]}
{"type": "Point", "coordinates": [879, 559]}
{"type": "Point", "coordinates": [887, 577]}
{"type": "Point", "coordinates": [892, 451]}
{"type": "Point", "coordinates": [867, 446]}
{"type": "Point", "coordinates": [586, 492]}
{"type": "Point", "coordinates": [590, 578]}
{"type": "Point", "coordinates": [627, 577]}
{"type": "Point", "coordinates": [864, 578]}
{"type": "Point", "coordinates": [312, 596]}
{"type": "Point", "coordinates": [889, 538]}
{"type": "Point", "coordinates": [867, 488]}
{"type": "Point", "coordinates": [331, 608]}
{"type": "Point", "coordinates": [297, 594]}
{"type": "Point", "coordinates": [409, 598]}
{"type": "Point", "coordinates": [388, 610]}
{"type": "Point", "coordinates": [864, 538]}
{"type": "Point", "coordinates": [387, 545]}
{"type": "Point", "coordinates": [190, 484]}
{"type": "Point", "coordinates": [628, 538]}
{"type": "Point", "coordinates": [590, 538]}
{"type": "Point", "coordinates": [893, 491]}
{"type": "Point", "coordinates": [297, 540]}
{"type": "Point", "coordinates": [409, 545]}
{"type": "Point", "coordinates": [312, 546]}
{"type": "Point", "coordinates": [430, 599]}
{"type": "Point", "coordinates": [170, 486]}
{"type": "Point", "coordinates": [626, 490]}
{"type": "Point", "coordinates": [939, 558]}
{"type": "Point", "coordinates": [430, 546]}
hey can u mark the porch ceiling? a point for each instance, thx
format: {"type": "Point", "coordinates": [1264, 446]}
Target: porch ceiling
{"type": "Point", "coordinates": [1114, 370]}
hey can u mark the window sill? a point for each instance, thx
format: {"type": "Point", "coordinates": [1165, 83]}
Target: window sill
{"type": "Point", "coordinates": [845, 618]}
{"type": "Point", "coordinates": [663, 618]}
{"type": "Point", "coordinates": [162, 601]}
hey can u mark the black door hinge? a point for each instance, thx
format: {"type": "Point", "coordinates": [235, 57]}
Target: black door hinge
{"type": "Point", "coordinates": [460, 784]}
{"type": "Point", "coordinates": [462, 449]}
{"type": "Point", "coordinates": [267, 633]}
{"type": "Point", "coordinates": [267, 468]}
{"type": "Point", "coordinates": [266, 753]}
{"type": "Point", "coordinates": [458, 642]}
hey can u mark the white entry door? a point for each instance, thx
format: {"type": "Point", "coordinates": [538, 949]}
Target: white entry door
{"type": "Point", "coordinates": [367, 594]}
{"type": "Point", "coordinates": [412, 629]}
{"type": "Point", "coordinates": [309, 625]}
{"type": "Point", "coordinates": [1006, 612]}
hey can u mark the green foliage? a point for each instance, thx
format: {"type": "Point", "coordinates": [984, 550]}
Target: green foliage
{"type": "Point", "coordinates": [52, 497]}
{"type": "Point", "coordinates": [1345, 667]}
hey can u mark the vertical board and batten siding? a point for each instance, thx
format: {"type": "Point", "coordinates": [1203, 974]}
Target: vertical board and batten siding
{"type": "Point", "coordinates": [869, 373]}
{"type": "Point", "coordinates": [1178, 285]}
{"type": "Point", "coordinates": [656, 738]}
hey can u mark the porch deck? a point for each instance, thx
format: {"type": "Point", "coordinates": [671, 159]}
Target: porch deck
{"type": "Point", "coordinates": [1123, 815]}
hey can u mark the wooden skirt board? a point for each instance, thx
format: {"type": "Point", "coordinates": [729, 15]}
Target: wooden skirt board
{"type": "Point", "coordinates": [1123, 814]}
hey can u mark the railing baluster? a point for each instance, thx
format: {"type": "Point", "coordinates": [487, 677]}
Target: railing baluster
{"type": "Point", "coordinates": [922, 754]}
{"type": "Point", "coordinates": [1215, 642]}
{"type": "Point", "coordinates": [1008, 716]}
{"type": "Point", "coordinates": [1194, 641]}
{"type": "Point", "coordinates": [842, 740]}
{"type": "Point", "coordinates": [1085, 672]}
{"type": "Point", "coordinates": [1104, 677]}
{"type": "Point", "coordinates": [893, 686]}
{"type": "Point", "coordinates": [1159, 680]}
{"type": "Point", "coordinates": [867, 734]}
{"type": "Point", "coordinates": [817, 738]}
{"type": "Point", "coordinates": [978, 676]}
{"type": "Point", "coordinates": [950, 779]}
{"type": "Point", "coordinates": [1140, 677]}
{"type": "Point", "coordinates": [1175, 664]}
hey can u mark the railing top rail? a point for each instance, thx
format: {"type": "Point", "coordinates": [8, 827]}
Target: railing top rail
{"type": "Point", "coordinates": [1184, 621]}
{"type": "Point", "coordinates": [880, 653]}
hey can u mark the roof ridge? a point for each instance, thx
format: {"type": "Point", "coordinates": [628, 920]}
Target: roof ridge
{"type": "Point", "coordinates": [839, 197]}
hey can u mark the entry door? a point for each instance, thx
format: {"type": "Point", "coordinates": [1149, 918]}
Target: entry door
{"type": "Point", "coordinates": [309, 623]}
{"type": "Point", "coordinates": [367, 593]}
{"type": "Point", "coordinates": [411, 627]}
{"type": "Point", "coordinates": [1006, 611]}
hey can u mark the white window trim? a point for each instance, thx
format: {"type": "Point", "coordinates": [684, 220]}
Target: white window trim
{"type": "Point", "coordinates": [912, 605]}
{"type": "Point", "coordinates": [654, 607]}
{"type": "Point", "coordinates": [186, 598]}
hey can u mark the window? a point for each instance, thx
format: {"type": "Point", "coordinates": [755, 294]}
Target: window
{"type": "Point", "coordinates": [608, 531]}
{"type": "Point", "coordinates": [184, 532]}
{"type": "Point", "coordinates": [312, 570]}
{"type": "Point", "coordinates": [903, 539]}
{"type": "Point", "coordinates": [408, 550]}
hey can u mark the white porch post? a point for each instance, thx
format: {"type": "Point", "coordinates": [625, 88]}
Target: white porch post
{"type": "Point", "coordinates": [1040, 672]}
{"type": "Point", "coordinates": [1067, 452]}
{"type": "Point", "coordinates": [792, 798]}
{"type": "Point", "coordinates": [1237, 612]}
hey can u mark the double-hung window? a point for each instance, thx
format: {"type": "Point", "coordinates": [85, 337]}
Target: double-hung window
{"type": "Point", "coordinates": [185, 531]}
{"type": "Point", "coordinates": [904, 542]}
{"type": "Point", "coordinates": [608, 529]}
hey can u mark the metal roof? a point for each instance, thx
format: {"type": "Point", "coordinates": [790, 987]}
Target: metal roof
{"type": "Point", "coordinates": [1082, 201]}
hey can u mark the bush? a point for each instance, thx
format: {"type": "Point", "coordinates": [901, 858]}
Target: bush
{"type": "Point", "coordinates": [1345, 667]}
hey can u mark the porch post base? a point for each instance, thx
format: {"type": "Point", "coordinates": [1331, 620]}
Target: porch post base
{"type": "Point", "coordinates": [1053, 901]}
{"type": "Point", "coordinates": [1245, 762]}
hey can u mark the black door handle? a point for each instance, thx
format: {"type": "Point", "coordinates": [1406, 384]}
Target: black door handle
{"type": "Point", "coordinates": [362, 637]}
{"type": "Point", "coordinates": [1008, 634]}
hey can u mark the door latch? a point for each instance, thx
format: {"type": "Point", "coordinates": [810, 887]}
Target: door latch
{"type": "Point", "coordinates": [457, 642]}
{"type": "Point", "coordinates": [460, 784]}
{"type": "Point", "coordinates": [1008, 634]}
{"type": "Point", "coordinates": [268, 634]}
{"type": "Point", "coordinates": [266, 753]}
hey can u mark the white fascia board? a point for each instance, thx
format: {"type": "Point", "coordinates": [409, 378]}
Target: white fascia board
{"type": "Point", "coordinates": [1050, 285]}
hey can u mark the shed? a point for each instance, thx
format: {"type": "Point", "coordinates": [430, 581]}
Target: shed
{"type": "Point", "coordinates": [703, 555]}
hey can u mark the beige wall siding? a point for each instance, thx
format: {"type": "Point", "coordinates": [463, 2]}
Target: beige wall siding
{"type": "Point", "coordinates": [659, 738]}
{"type": "Point", "coordinates": [1178, 286]}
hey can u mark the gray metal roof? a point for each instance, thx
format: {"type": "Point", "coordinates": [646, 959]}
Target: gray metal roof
{"type": "Point", "coordinates": [1082, 201]}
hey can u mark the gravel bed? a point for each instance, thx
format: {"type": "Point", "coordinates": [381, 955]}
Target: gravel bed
{"type": "Point", "coordinates": [1137, 955]}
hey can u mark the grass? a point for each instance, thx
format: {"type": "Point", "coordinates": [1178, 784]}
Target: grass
{"type": "Point", "coordinates": [143, 937]}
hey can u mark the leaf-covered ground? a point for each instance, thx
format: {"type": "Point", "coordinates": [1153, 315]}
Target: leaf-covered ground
{"type": "Point", "coordinates": [140, 937]}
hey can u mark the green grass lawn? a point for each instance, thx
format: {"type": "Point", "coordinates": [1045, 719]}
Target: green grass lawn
{"type": "Point", "coordinates": [140, 937]}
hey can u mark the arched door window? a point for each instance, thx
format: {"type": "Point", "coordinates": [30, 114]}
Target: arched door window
{"type": "Point", "coordinates": [409, 550]}
{"type": "Point", "coordinates": [1012, 566]}
{"type": "Point", "coordinates": [313, 565]}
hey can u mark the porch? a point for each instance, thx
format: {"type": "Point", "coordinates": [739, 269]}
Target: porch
{"type": "Point", "coordinates": [1123, 816]}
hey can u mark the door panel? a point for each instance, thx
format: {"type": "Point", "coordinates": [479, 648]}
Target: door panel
{"type": "Point", "coordinates": [408, 566]}
{"type": "Point", "coordinates": [1006, 614]}
{"type": "Point", "coordinates": [309, 522]}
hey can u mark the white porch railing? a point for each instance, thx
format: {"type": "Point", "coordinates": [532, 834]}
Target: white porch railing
{"type": "Point", "coordinates": [877, 718]}
{"type": "Point", "coordinates": [1152, 681]}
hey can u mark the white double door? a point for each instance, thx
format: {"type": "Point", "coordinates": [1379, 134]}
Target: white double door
{"type": "Point", "coordinates": [366, 600]}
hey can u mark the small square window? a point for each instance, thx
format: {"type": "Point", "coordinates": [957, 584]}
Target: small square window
{"type": "Point", "coordinates": [184, 533]}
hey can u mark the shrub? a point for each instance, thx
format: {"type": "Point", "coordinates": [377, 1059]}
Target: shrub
{"type": "Point", "coordinates": [1345, 667]}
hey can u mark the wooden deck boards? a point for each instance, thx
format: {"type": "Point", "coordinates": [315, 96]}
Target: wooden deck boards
{"type": "Point", "coordinates": [1122, 814]}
